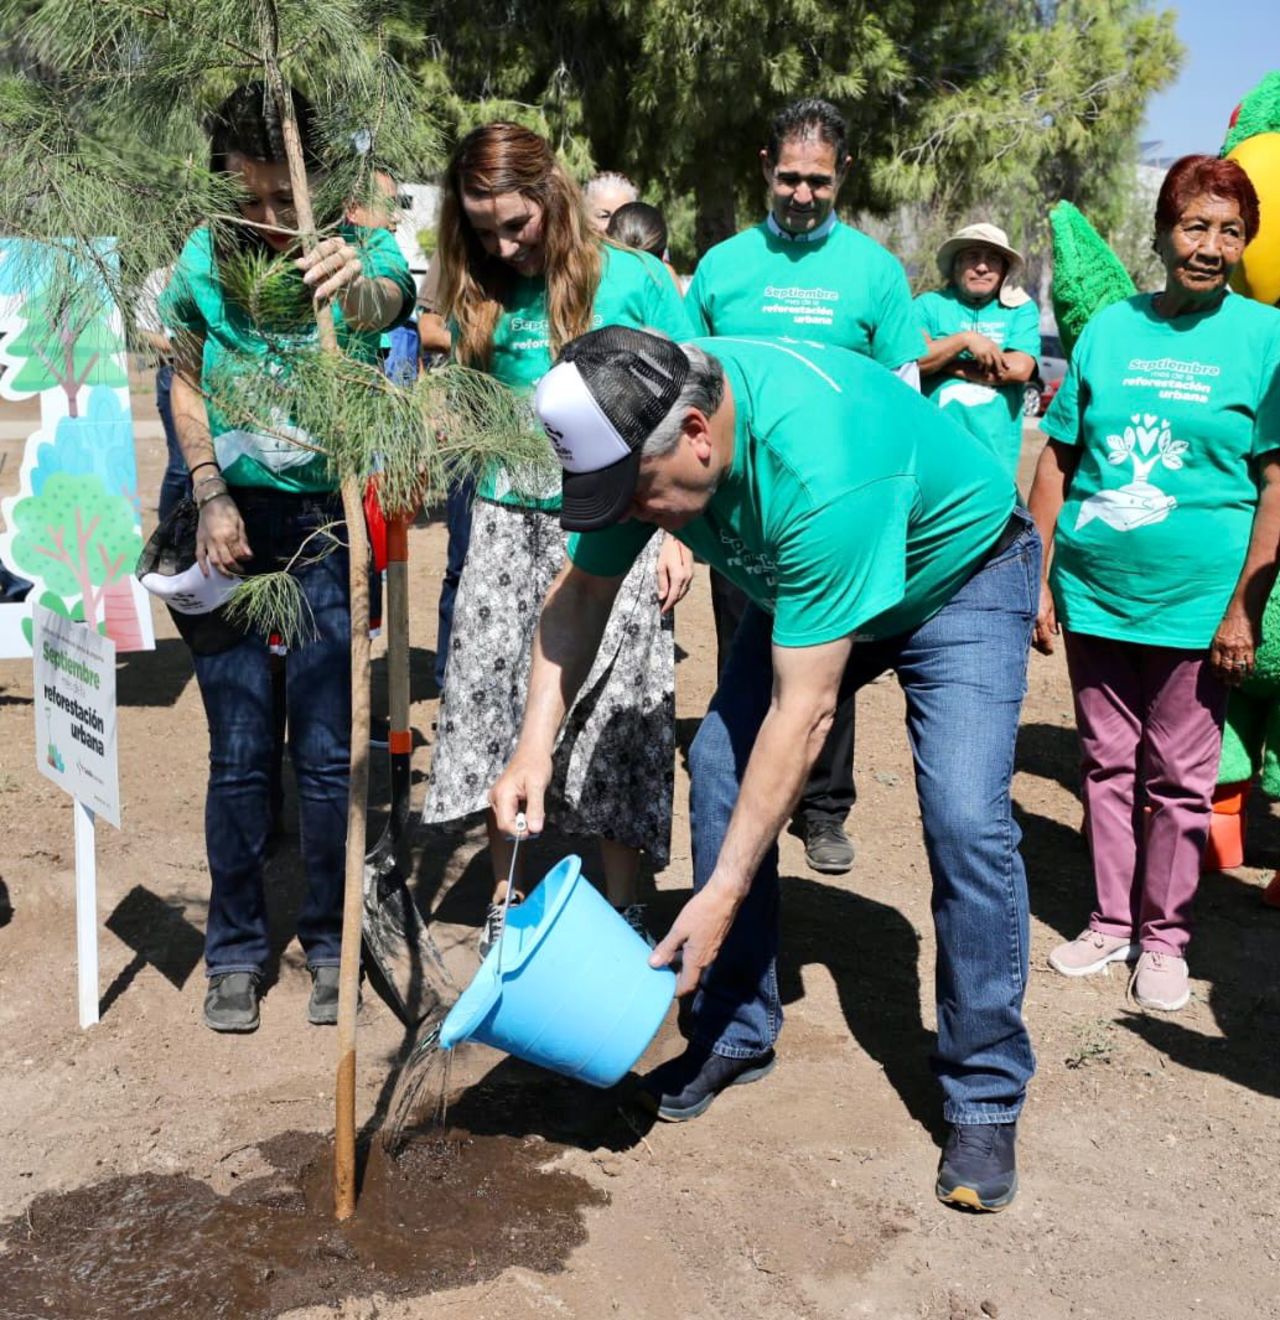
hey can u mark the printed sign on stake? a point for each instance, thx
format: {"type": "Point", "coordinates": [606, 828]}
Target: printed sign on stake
{"type": "Point", "coordinates": [75, 705]}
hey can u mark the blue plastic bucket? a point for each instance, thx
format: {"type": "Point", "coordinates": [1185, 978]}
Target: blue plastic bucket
{"type": "Point", "coordinates": [568, 987]}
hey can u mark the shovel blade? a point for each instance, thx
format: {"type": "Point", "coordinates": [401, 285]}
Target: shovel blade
{"type": "Point", "coordinates": [405, 966]}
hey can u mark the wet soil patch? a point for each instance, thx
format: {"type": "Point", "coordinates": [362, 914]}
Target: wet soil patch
{"type": "Point", "coordinates": [450, 1209]}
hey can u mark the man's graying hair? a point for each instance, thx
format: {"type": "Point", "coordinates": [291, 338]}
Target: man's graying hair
{"type": "Point", "coordinates": [703, 390]}
{"type": "Point", "coordinates": [809, 118]}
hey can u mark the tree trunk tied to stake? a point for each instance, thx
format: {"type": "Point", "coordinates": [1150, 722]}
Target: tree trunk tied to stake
{"type": "Point", "coordinates": [344, 1146]}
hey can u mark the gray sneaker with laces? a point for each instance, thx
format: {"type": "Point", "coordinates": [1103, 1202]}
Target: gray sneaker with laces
{"type": "Point", "coordinates": [491, 931]}
{"type": "Point", "coordinates": [827, 848]}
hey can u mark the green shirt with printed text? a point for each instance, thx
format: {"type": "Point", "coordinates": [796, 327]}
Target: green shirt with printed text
{"type": "Point", "coordinates": [635, 290]}
{"type": "Point", "coordinates": [993, 413]}
{"type": "Point", "coordinates": [868, 538]}
{"type": "Point", "coordinates": [1169, 417]}
{"type": "Point", "coordinates": [844, 289]}
{"type": "Point", "coordinates": [196, 303]}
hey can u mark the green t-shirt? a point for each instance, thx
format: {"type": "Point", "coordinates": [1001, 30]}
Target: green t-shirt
{"type": "Point", "coordinates": [1169, 417]}
{"type": "Point", "coordinates": [843, 289]}
{"type": "Point", "coordinates": [868, 538]}
{"type": "Point", "coordinates": [635, 290]}
{"type": "Point", "coordinates": [991, 412]}
{"type": "Point", "coordinates": [196, 303]}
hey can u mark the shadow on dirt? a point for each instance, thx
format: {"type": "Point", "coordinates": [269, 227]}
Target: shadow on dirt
{"type": "Point", "coordinates": [1234, 948]}
{"type": "Point", "coordinates": [159, 935]}
{"type": "Point", "coordinates": [1050, 751]}
{"type": "Point", "coordinates": [1234, 943]}
{"type": "Point", "coordinates": [154, 678]}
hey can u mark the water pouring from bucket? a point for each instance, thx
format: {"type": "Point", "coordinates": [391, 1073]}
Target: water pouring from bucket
{"type": "Point", "coordinates": [567, 985]}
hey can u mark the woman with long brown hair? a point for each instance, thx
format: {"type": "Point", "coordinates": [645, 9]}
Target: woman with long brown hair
{"type": "Point", "coordinates": [522, 273]}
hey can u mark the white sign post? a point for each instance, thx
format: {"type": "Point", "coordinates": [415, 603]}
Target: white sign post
{"type": "Point", "coordinates": [75, 705]}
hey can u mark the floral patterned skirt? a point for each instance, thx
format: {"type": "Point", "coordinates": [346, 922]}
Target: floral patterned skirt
{"type": "Point", "coordinates": [615, 762]}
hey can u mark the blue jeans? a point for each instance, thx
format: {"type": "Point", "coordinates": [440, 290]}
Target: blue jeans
{"type": "Point", "coordinates": [458, 520]}
{"type": "Point", "coordinates": [963, 673]}
{"type": "Point", "coordinates": [239, 699]}
{"type": "Point", "coordinates": [175, 485]}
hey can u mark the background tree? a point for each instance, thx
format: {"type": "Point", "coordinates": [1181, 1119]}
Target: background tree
{"type": "Point", "coordinates": [954, 105]}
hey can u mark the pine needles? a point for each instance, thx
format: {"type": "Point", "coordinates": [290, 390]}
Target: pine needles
{"type": "Point", "coordinates": [104, 136]}
{"type": "Point", "coordinates": [418, 440]}
{"type": "Point", "coordinates": [273, 603]}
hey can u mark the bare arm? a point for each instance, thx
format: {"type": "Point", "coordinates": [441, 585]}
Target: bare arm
{"type": "Point", "coordinates": [332, 269]}
{"type": "Point", "coordinates": [220, 536]}
{"type": "Point", "coordinates": [1049, 488]}
{"type": "Point", "coordinates": [570, 627]}
{"type": "Point", "coordinates": [943, 352]}
{"type": "Point", "coordinates": [1017, 369]}
{"type": "Point", "coordinates": [806, 683]}
{"type": "Point", "coordinates": [433, 334]}
{"type": "Point", "coordinates": [158, 342]}
{"type": "Point", "coordinates": [1240, 633]}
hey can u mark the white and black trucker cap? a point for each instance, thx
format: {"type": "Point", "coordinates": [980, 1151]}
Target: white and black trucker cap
{"type": "Point", "coordinates": [598, 405]}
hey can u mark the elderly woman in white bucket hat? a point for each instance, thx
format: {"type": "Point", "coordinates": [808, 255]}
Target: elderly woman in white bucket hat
{"type": "Point", "coordinates": [983, 335]}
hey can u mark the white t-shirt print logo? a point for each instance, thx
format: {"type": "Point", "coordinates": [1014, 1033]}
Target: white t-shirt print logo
{"type": "Point", "coordinates": [1148, 444]}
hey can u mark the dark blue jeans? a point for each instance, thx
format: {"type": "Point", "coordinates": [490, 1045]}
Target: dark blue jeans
{"type": "Point", "coordinates": [458, 520]}
{"type": "Point", "coordinates": [175, 485]}
{"type": "Point", "coordinates": [239, 697]}
{"type": "Point", "coordinates": [964, 677]}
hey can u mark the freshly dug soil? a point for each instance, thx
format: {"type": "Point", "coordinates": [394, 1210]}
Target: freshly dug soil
{"type": "Point", "coordinates": [452, 1208]}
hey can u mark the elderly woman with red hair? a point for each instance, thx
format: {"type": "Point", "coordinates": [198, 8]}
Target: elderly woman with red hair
{"type": "Point", "coordinates": [1158, 499]}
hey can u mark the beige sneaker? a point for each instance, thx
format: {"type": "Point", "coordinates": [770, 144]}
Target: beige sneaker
{"type": "Point", "coordinates": [1160, 981]}
{"type": "Point", "coordinates": [1090, 952]}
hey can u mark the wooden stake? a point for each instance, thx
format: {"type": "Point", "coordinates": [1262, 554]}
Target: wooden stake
{"type": "Point", "coordinates": [344, 1141]}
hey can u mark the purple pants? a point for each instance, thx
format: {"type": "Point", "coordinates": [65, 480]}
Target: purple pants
{"type": "Point", "coordinates": [1150, 722]}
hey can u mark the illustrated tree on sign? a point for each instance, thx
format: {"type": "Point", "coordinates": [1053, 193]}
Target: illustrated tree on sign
{"type": "Point", "coordinates": [98, 442]}
{"type": "Point", "coordinates": [67, 341]}
{"type": "Point", "coordinates": [79, 537]}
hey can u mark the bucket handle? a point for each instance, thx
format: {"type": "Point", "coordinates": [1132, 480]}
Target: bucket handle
{"type": "Point", "coordinates": [574, 862]}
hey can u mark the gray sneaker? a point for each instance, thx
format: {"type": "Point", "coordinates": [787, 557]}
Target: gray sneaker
{"type": "Point", "coordinates": [231, 1003]}
{"type": "Point", "coordinates": [322, 1007]}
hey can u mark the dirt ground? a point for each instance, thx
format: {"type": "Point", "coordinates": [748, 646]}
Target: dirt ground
{"type": "Point", "coordinates": [1148, 1148]}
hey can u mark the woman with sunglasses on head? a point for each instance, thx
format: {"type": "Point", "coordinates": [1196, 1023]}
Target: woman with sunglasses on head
{"type": "Point", "coordinates": [522, 273]}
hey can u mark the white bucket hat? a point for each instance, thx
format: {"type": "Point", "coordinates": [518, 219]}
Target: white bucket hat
{"type": "Point", "coordinates": [1011, 293]}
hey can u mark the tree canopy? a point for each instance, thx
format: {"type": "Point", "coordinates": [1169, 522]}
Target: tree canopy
{"type": "Point", "coordinates": [955, 104]}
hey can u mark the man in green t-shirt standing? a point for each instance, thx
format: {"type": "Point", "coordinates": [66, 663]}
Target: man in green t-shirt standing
{"type": "Point", "coordinates": [898, 546]}
{"type": "Point", "coordinates": [803, 274]}
{"type": "Point", "coordinates": [983, 337]}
